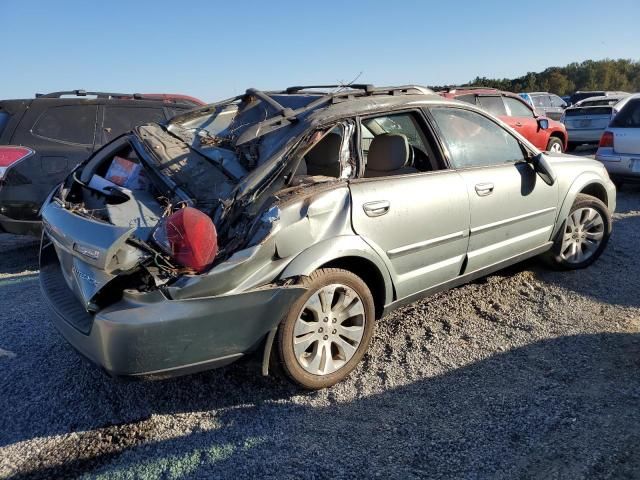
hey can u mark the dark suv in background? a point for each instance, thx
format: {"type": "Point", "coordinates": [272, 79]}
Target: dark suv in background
{"type": "Point", "coordinates": [43, 138]}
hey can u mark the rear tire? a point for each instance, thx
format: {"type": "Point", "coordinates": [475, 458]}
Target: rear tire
{"type": "Point", "coordinates": [583, 236]}
{"type": "Point", "coordinates": [327, 331]}
{"type": "Point", "coordinates": [571, 146]}
{"type": "Point", "coordinates": [555, 145]}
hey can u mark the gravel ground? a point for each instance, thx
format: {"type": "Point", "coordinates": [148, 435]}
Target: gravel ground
{"type": "Point", "coordinates": [528, 373]}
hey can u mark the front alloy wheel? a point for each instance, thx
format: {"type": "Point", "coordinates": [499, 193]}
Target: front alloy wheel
{"type": "Point", "coordinates": [327, 331]}
{"type": "Point", "coordinates": [584, 235]}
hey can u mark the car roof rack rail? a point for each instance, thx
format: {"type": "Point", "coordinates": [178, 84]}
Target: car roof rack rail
{"type": "Point", "coordinates": [468, 87]}
{"type": "Point", "coordinates": [366, 87]}
{"type": "Point", "coordinates": [166, 97]}
{"type": "Point", "coordinates": [285, 114]}
{"type": "Point", "coordinates": [84, 93]}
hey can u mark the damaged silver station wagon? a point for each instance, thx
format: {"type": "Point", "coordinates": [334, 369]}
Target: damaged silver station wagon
{"type": "Point", "coordinates": [288, 222]}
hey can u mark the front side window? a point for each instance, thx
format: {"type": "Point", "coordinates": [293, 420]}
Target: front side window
{"type": "Point", "coordinates": [475, 141]}
{"type": "Point", "coordinates": [493, 105]}
{"type": "Point", "coordinates": [517, 108]}
{"type": "Point", "coordinates": [68, 123]}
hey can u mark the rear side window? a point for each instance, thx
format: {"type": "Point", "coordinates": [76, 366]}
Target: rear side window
{"type": "Point", "coordinates": [467, 98]}
{"type": "Point", "coordinates": [517, 108]}
{"type": "Point", "coordinates": [493, 105]}
{"type": "Point", "coordinates": [119, 120]}
{"type": "Point", "coordinates": [68, 124]}
{"type": "Point", "coordinates": [541, 101]}
{"type": "Point", "coordinates": [629, 116]}
{"type": "Point", "coordinates": [475, 141]}
{"type": "Point", "coordinates": [4, 120]}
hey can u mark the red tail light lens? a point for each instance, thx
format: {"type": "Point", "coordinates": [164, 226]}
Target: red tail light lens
{"type": "Point", "coordinates": [190, 237]}
{"type": "Point", "coordinates": [606, 140]}
{"type": "Point", "coordinates": [9, 156]}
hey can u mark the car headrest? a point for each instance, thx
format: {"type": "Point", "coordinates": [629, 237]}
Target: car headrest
{"type": "Point", "coordinates": [326, 151]}
{"type": "Point", "coordinates": [388, 152]}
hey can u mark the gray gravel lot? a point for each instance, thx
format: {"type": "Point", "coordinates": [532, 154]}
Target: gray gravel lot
{"type": "Point", "coordinates": [529, 373]}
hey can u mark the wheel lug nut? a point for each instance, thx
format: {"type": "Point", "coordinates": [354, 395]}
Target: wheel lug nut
{"type": "Point", "coordinates": [334, 320]}
{"type": "Point", "coordinates": [325, 337]}
{"type": "Point", "coordinates": [320, 330]}
{"type": "Point", "coordinates": [326, 319]}
{"type": "Point", "coordinates": [334, 331]}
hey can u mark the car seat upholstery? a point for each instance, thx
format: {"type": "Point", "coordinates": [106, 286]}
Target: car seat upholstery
{"type": "Point", "coordinates": [389, 154]}
{"type": "Point", "coordinates": [324, 157]}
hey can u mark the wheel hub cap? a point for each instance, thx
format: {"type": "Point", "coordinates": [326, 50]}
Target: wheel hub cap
{"type": "Point", "coordinates": [583, 234]}
{"type": "Point", "coordinates": [329, 329]}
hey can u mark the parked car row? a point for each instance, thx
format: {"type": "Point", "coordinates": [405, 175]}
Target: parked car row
{"type": "Point", "coordinates": [288, 222]}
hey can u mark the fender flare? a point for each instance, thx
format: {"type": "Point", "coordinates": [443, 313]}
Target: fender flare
{"type": "Point", "coordinates": [584, 179]}
{"type": "Point", "coordinates": [334, 249]}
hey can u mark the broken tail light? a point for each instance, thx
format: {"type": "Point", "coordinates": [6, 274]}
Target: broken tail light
{"type": "Point", "coordinates": [10, 155]}
{"type": "Point", "coordinates": [189, 237]}
{"type": "Point", "coordinates": [606, 140]}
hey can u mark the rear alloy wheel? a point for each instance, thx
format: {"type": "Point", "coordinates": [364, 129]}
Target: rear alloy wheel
{"type": "Point", "coordinates": [555, 145]}
{"type": "Point", "coordinates": [584, 235]}
{"type": "Point", "coordinates": [327, 331]}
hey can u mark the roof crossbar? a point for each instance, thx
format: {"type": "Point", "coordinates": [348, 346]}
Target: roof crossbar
{"type": "Point", "coordinates": [353, 86]}
{"type": "Point", "coordinates": [264, 96]}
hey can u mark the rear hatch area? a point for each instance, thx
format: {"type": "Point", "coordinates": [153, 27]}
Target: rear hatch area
{"type": "Point", "coordinates": [97, 233]}
{"type": "Point", "coordinates": [588, 118]}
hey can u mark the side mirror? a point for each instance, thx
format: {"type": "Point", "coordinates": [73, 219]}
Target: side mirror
{"type": "Point", "coordinates": [543, 123]}
{"type": "Point", "coordinates": [543, 169]}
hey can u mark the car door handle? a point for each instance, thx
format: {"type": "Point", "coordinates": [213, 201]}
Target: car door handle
{"type": "Point", "coordinates": [518, 124]}
{"type": "Point", "coordinates": [377, 208]}
{"type": "Point", "coordinates": [484, 189]}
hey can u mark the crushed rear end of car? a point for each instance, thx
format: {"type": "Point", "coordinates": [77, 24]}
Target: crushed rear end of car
{"type": "Point", "coordinates": [140, 280]}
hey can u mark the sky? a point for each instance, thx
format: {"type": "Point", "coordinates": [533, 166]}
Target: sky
{"type": "Point", "coordinates": [213, 50]}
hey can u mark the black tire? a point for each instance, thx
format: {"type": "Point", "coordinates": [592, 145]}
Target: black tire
{"type": "Point", "coordinates": [571, 146]}
{"type": "Point", "coordinates": [553, 256]}
{"type": "Point", "coordinates": [555, 141]}
{"type": "Point", "coordinates": [289, 364]}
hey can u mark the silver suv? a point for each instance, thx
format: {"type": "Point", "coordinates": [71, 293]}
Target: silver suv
{"type": "Point", "coordinates": [289, 222]}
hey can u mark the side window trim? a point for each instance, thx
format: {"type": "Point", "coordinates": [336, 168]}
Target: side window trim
{"type": "Point", "coordinates": [523, 147]}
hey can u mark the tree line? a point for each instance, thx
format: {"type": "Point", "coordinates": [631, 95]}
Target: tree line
{"type": "Point", "coordinates": [621, 74]}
